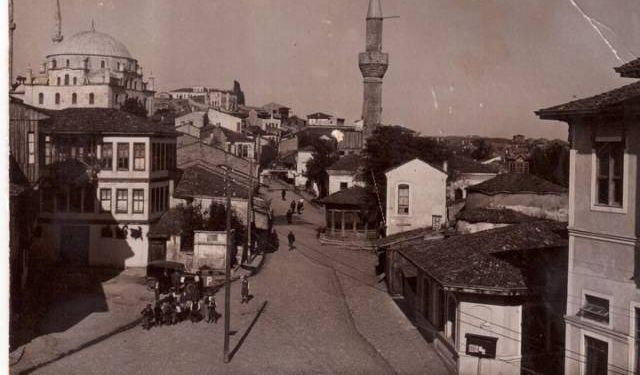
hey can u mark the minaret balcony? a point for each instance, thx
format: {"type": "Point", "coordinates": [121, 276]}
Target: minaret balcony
{"type": "Point", "coordinates": [373, 64]}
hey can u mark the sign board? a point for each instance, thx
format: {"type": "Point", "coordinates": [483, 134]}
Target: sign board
{"type": "Point", "coordinates": [481, 346]}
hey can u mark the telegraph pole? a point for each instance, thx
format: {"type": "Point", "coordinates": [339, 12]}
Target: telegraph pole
{"type": "Point", "coordinates": [227, 267]}
{"type": "Point", "coordinates": [250, 215]}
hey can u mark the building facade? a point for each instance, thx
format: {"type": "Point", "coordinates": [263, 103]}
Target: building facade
{"type": "Point", "coordinates": [416, 197]}
{"type": "Point", "coordinates": [222, 100]}
{"type": "Point", "coordinates": [603, 302]}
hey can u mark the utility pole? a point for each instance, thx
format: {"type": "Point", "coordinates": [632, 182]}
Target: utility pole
{"type": "Point", "coordinates": [227, 266]}
{"type": "Point", "coordinates": [250, 216]}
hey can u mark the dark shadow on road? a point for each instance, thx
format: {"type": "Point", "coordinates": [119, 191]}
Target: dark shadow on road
{"type": "Point", "coordinates": [248, 330]}
{"type": "Point", "coordinates": [97, 340]}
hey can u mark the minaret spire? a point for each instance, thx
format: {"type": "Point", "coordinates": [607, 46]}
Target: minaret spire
{"type": "Point", "coordinates": [373, 65]}
{"type": "Point", "coordinates": [57, 37]}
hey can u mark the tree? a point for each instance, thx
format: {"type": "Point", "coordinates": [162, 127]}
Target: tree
{"type": "Point", "coordinates": [483, 149]}
{"type": "Point", "coordinates": [551, 162]}
{"type": "Point", "coordinates": [325, 154]}
{"type": "Point", "coordinates": [390, 146]}
{"type": "Point", "coordinates": [216, 220]}
{"type": "Point", "coordinates": [133, 106]}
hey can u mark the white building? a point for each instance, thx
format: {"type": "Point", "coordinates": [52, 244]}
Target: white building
{"type": "Point", "coordinates": [225, 120]}
{"type": "Point", "coordinates": [89, 69]}
{"type": "Point", "coordinates": [416, 197]}
{"type": "Point", "coordinates": [323, 119]}
{"type": "Point", "coordinates": [302, 158]}
{"type": "Point", "coordinates": [344, 173]}
{"type": "Point", "coordinates": [223, 100]}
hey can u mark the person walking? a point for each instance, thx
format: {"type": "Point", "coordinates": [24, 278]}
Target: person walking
{"type": "Point", "coordinates": [244, 290]}
{"type": "Point", "coordinates": [156, 290]}
{"type": "Point", "coordinates": [292, 239]}
{"type": "Point", "coordinates": [289, 216]}
{"type": "Point", "coordinates": [212, 314]}
{"type": "Point", "coordinates": [300, 206]}
{"type": "Point", "coordinates": [284, 194]}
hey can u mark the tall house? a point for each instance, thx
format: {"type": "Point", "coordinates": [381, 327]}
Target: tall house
{"type": "Point", "coordinates": [89, 69]}
{"type": "Point", "coordinates": [603, 299]}
{"type": "Point", "coordinates": [373, 65]}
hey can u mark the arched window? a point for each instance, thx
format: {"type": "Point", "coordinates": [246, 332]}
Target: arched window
{"type": "Point", "coordinates": [67, 63]}
{"type": "Point", "coordinates": [102, 64]}
{"type": "Point", "coordinates": [57, 98]}
{"type": "Point", "coordinates": [40, 98]}
{"type": "Point", "coordinates": [66, 80]}
{"type": "Point", "coordinates": [74, 98]}
{"type": "Point", "coordinates": [91, 98]}
{"type": "Point", "coordinates": [75, 81]}
{"type": "Point", "coordinates": [403, 199]}
{"type": "Point", "coordinates": [58, 81]}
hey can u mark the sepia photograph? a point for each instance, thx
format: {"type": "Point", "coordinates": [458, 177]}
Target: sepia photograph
{"type": "Point", "coordinates": [439, 187]}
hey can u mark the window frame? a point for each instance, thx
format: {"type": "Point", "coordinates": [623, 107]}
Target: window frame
{"type": "Point", "coordinates": [103, 200]}
{"type": "Point", "coordinates": [41, 98]}
{"type": "Point", "coordinates": [107, 160]}
{"type": "Point", "coordinates": [74, 98]}
{"type": "Point", "coordinates": [125, 200]}
{"type": "Point", "coordinates": [57, 98]}
{"type": "Point", "coordinates": [92, 98]}
{"type": "Point", "coordinates": [31, 148]}
{"type": "Point", "coordinates": [595, 166]}
{"type": "Point", "coordinates": [137, 201]}
{"type": "Point", "coordinates": [594, 294]}
{"type": "Point", "coordinates": [122, 162]}
{"type": "Point", "coordinates": [399, 187]}
{"type": "Point", "coordinates": [136, 158]}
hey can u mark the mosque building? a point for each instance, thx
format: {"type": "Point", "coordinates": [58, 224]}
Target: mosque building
{"type": "Point", "coordinates": [89, 69]}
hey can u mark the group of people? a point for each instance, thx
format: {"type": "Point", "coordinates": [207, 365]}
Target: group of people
{"type": "Point", "coordinates": [295, 206]}
{"type": "Point", "coordinates": [185, 302]}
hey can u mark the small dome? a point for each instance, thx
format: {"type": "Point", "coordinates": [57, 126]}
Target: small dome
{"type": "Point", "coordinates": [92, 43]}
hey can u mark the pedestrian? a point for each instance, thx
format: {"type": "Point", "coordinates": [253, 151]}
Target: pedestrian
{"type": "Point", "coordinates": [157, 314]}
{"type": "Point", "coordinates": [284, 195]}
{"type": "Point", "coordinates": [212, 314]}
{"type": "Point", "coordinates": [289, 216]}
{"type": "Point", "coordinates": [244, 290]}
{"type": "Point", "coordinates": [156, 290]}
{"type": "Point", "coordinates": [198, 281]}
{"type": "Point", "coordinates": [167, 313]}
{"type": "Point", "coordinates": [147, 317]}
{"type": "Point", "coordinates": [176, 311]}
{"type": "Point", "coordinates": [300, 206]}
{"type": "Point", "coordinates": [292, 239]}
{"type": "Point", "coordinates": [293, 206]}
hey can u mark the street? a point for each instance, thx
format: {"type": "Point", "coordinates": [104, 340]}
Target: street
{"type": "Point", "coordinates": [313, 311]}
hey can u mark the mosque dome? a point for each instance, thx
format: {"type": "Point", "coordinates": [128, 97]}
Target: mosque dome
{"type": "Point", "coordinates": [92, 43]}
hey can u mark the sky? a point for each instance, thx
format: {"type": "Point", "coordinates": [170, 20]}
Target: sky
{"type": "Point", "coordinates": [457, 67]}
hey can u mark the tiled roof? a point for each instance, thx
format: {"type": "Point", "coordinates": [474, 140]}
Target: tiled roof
{"type": "Point", "coordinates": [418, 234]}
{"type": "Point", "coordinates": [608, 101]}
{"type": "Point", "coordinates": [493, 215]}
{"type": "Point", "coordinates": [103, 121]}
{"type": "Point", "coordinates": [196, 181]}
{"type": "Point", "coordinates": [630, 69]}
{"type": "Point", "coordinates": [353, 196]}
{"type": "Point", "coordinates": [232, 137]}
{"type": "Point", "coordinates": [347, 163]}
{"type": "Point", "coordinates": [479, 260]}
{"type": "Point", "coordinates": [462, 164]}
{"type": "Point", "coordinates": [517, 183]}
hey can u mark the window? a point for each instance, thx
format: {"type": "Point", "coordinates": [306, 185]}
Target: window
{"type": "Point", "coordinates": [105, 200]}
{"type": "Point", "coordinates": [31, 147]}
{"type": "Point", "coordinates": [595, 308]}
{"type": "Point", "coordinates": [344, 185]}
{"type": "Point", "coordinates": [67, 63]}
{"type": "Point", "coordinates": [123, 156]}
{"type": "Point", "coordinates": [74, 98]}
{"type": "Point", "coordinates": [47, 150]}
{"type": "Point", "coordinates": [138, 156]}
{"type": "Point", "coordinates": [119, 66]}
{"type": "Point", "coordinates": [75, 81]}
{"type": "Point", "coordinates": [138, 201]}
{"type": "Point", "coordinates": [122, 200]}
{"type": "Point", "coordinates": [597, 356]}
{"type": "Point", "coordinates": [403, 199]}
{"type": "Point", "coordinates": [609, 174]}
{"type": "Point", "coordinates": [107, 156]}
{"type": "Point", "coordinates": [66, 80]}
{"type": "Point", "coordinates": [436, 222]}
{"type": "Point", "coordinates": [58, 81]}
{"type": "Point", "coordinates": [40, 98]}
{"type": "Point", "coordinates": [54, 63]}
{"type": "Point", "coordinates": [91, 98]}
{"type": "Point", "coordinates": [102, 64]}
{"type": "Point", "coordinates": [57, 98]}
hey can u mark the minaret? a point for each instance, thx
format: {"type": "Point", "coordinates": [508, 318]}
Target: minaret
{"type": "Point", "coordinates": [373, 65]}
{"type": "Point", "coordinates": [57, 37]}
{"type": "Point", "coordinates": [12, 26]}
